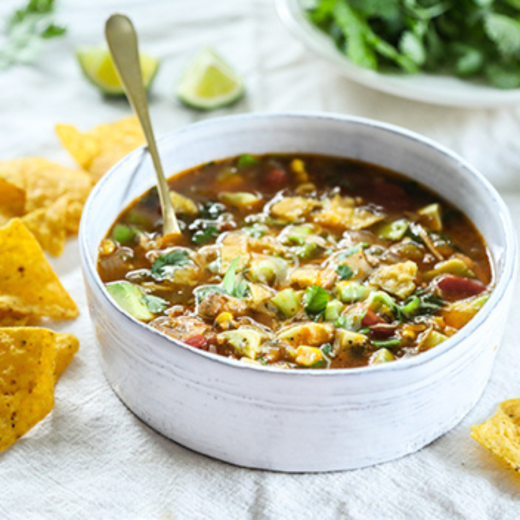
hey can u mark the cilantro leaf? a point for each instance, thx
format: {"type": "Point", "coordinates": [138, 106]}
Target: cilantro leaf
{"type": "Point", "coordinates": [203, 236]}
{"type": "Point", "coordinates": [344, 271]}
{"type": "Point", "coordinates": [315, 301]}
{"type": "Point", "coordinates": [26, 29]}
{"type": "Point", "coordinates": [327, 349]}
{"type": "Point", "coordinates": [473, 39]}
{"type": "Point", "coordinates": [505, 32]}
{"type": "Point", "coordinates": [154, 303]}
{"type": "Point", "coordinates": [176, 258]}
{"type": "Point", "coordinates": [201, 292]}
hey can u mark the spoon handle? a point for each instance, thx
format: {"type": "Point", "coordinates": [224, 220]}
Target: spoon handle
{"type": "Point", "coordinates": [122, 42]}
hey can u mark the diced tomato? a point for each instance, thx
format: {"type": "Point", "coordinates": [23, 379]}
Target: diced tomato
{"type": "Point", "coordinates": [371, 318]}
{"type": "Point", "coordinates": [457, 287]}
{"type": "Point", "coordinates": [276, 179]}
{"type": "Point", "coordinates": [197, 341]}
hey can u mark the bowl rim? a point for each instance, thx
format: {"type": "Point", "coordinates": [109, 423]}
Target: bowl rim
{"type": "Point", "coordinates": [503, 277]}
{"type": "Point", "coordinates": [292, 15]}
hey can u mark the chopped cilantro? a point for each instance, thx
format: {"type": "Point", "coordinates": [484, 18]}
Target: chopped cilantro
{"type": "Point", "coordinates": [344, 271]}
{"type": "Point", "coordinates": [212, 210]}
{"type": "Point", "coordinates": [315, 301]}
{"type": "Point", "coordinates": [205, 235]}
{"type": "Point", "coordinates": [327, 349]}
{"type": "Point", "coordinates": [176, 258]}
{"type": "Point", "coordinates": [154, 303]}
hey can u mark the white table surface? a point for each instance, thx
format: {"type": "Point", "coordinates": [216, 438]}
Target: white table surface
{"type": "Point", "coordinates": [91, 458]}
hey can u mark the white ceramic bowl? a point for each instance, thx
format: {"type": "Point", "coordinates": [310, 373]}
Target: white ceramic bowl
{"type": "Point", "coordinates": [299, 420]}
{"type": "Point", "coordinates": [428, 88]}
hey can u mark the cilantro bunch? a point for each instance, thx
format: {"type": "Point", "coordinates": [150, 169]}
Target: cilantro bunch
{"type": "Point", "coordinates": [26, 30]}
{"type": "Point", "coordinates": [477, 39]}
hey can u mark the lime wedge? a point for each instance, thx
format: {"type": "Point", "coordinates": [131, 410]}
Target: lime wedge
{"type": "Point", "coordinates": [97, 65]}
{"type": "Point", "coordinates": [209, 82]}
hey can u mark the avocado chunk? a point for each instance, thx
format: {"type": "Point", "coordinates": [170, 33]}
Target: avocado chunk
{"type": "Point", "coordinates": [130, 298]}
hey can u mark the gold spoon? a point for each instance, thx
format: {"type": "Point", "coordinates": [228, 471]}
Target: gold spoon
{"type": "Point", "coordinates": [122, 42]}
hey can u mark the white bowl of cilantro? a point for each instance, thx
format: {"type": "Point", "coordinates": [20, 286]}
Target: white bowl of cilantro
{"type": "Point", "coordinates": [463, 56]}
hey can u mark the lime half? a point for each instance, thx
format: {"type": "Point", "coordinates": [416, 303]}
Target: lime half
{"type": "Point", "coordinates": [97, 65]}
{"type": "Point", "coordinates": [209, 82]}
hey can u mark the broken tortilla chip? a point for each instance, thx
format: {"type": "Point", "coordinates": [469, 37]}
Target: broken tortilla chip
{"type": "Point", "coordinates": [100, 148]}
{"type": "Point", "coordinates": [28, 284]}
{"type": "Point", "coordinates": [12, 201]}
{"type": "Point", "coordinates": [44, 182]}
{"type": "Point", "coordinates": [49, 226]}
{"type": "Point", "coordinates": [27, 359]}
{"type": "Point", "coordinates": [66, 346]}
{"type": "Point", "coordinates": [13, 319]}
{"type": "Point", "coordinates": [501, 433]}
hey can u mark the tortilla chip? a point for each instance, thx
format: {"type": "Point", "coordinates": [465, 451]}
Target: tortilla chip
{"type": "Point", "coordinates": [74, 211]}
{"type": "Point", "coordinates": [13, 319]}
{"type": "Point", "coordinates": [501, 433]}
{"type": "Point", "coordinates": [26, 380]}
{"type": "Point", "coordinates": [12, 201]}
{"type": "Point", "coordinates": [28, 285]}
{"type": "Point", "coordinates": [49, 226]}
{"type": "Point", "coordinates": [45, 182]}
{"type": "Point", "coordinates": [66, 346]}
{"type": "Point", "coordinates": [99, 149]}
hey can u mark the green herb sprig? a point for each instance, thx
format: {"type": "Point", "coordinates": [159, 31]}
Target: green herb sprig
{"type": "Point", "coordinates": [27, 29]}
{"type": "Point", "coordinates": [174, 259]}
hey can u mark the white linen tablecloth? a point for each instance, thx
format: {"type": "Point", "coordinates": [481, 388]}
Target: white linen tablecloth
{"type": "Point", "coordinates": [91, 458]}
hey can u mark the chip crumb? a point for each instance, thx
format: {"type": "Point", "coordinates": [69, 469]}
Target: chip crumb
{"type": "Point", "coordinates": [501, 433]}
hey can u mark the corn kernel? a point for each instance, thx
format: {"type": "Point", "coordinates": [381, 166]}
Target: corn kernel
{"type": "Point", "coordinates": [408, 333]}
{"type": "Point", "coordinates": [107, 247]}
{"type": "Point", "coordinates": [298, 168]}
{"type": "Point", "coordinates": [224, 320]}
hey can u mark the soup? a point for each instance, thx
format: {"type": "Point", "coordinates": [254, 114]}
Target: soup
{"type": "Point", "coordinates": [299, 261]}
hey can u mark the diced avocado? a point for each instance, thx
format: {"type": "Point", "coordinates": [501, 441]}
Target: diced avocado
{"type": "Point", "coordinates": [238, 199]}
{"type": "Point", "coordinates": [349, 292]}
{"type": "Point", "coordinates": [288, 302]}
{"type": "Point", "coordinates": [432, 339]}
{"type": "Point", "coordinates": [309, 356]}
{"type": "Point", "coordinates": [431, 216]}
{"type": "Point", "coordinates": [245, 342]}
{"type": "Point", "coordinates": [308, 251]}
{"type": "Point", "coordinates": [345, 339]}
{"type": "Point", "coordinates": [333, 310]}
{"type": "Point", "coordinates": [382, 355]}
{"type": "Point", "coordinates": [130, 298]}
{"type": "Point", "coordinates": [296, 235]}
{"type": "Point", "coordinates": [394, 230]}
{"type": "Point", "coordinates": [267, 270]}
{"type": "Point", "coordinates": [454, 266]}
